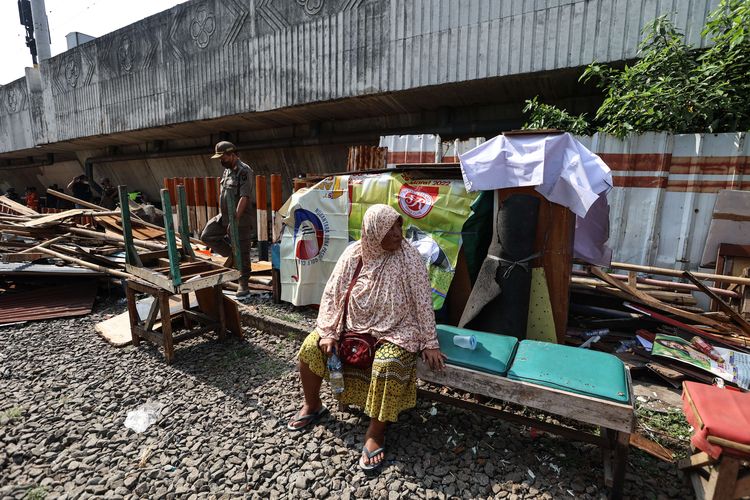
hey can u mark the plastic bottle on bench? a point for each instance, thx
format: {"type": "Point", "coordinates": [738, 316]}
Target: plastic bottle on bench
{"type": "Point", "coordinates": [336, 374]}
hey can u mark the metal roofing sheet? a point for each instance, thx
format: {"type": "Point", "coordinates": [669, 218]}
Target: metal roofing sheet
{"type": "Point", "coordinates": [75, 299]}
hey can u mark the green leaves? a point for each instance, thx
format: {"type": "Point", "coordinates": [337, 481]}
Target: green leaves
{"type": "Point", "coordinates": [671, 87]}
{"type": "Point", "coordinates": [546, 116]}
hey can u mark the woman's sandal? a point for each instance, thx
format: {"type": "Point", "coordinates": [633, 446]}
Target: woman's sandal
{"type": "Point", "coordinates": [370, 456]}
{"type": "Point", "coordinates": [307, 419]}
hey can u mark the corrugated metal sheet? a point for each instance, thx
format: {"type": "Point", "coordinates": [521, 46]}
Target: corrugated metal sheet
{"type": "Point", "coordinates": [48, 303]}
{"type": "Point", "coordinates": [665, 190]}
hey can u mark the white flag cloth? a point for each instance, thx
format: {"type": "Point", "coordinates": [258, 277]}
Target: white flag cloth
{"type": "Point", "coordinates": [560, 167]}
{"type": "Point", "coordinates": [563, 170]}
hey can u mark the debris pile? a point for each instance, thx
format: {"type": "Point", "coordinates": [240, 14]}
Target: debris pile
{"type": "Point", "coordinates": [659, 327]}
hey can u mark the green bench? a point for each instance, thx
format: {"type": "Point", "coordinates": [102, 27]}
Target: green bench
{"type": "Point", "coordinates": [579, 384]}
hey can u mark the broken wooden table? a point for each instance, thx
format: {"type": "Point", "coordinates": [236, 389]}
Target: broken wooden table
{"type": "Point", "coordinates": [162, 274]}
{"type": "Point", "coordinates": [616, 421]}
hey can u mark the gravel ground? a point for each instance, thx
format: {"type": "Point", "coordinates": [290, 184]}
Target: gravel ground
{"type": "Point", "coordinates": [65, 394]}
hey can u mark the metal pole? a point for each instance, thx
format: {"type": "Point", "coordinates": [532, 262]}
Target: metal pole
{"type": "Point", "coordinates": [41, 29]}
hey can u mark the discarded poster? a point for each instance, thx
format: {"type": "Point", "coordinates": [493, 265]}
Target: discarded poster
{"type": "Point", "coordinates": [735, 366]}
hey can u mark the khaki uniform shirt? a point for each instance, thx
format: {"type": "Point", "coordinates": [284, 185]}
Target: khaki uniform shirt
{"type": "Point", "coordinates": [238, 181]}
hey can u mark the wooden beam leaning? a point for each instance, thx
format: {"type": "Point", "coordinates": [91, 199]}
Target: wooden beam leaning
{"type": "Point", "coordinates": [737, 317]}
{"type": "Point", "coordinates": [174, 254]}
{"type": "Point", "coordinates": [184, 229]}
{"type": "Point", "coordinates": [131, 256]}
{"type": "Point", "coordinates": [83, 263]}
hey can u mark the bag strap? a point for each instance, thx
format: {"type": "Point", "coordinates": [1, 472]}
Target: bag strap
{"type": "Point", "coordinates": [348, 293]}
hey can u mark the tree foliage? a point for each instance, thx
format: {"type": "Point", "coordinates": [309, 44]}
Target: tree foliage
{"type": "Point", "coordinates": [547, 116]}
{"type": "Point", "coordinates": [671, 87]}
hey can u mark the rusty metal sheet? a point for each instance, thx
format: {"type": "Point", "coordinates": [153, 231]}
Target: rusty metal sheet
{"type": "Point", "coordinates": [75, 299]}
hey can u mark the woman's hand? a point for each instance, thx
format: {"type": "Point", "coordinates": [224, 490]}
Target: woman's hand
{"type": "Point", "coordinates": [434, 358]}
{"type": "Point", "coordinates": [328, 346]}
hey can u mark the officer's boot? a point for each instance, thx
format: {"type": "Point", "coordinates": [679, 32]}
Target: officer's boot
{"type": "Point", "coordinates": [243, 290]}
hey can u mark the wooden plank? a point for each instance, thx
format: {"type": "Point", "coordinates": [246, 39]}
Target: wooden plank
{"type": "Point", "coordinates": [151, 277]}
{"type": "Point", "coordinates": [189, 187]}
{"type": "Point", "coordinates": [651, 447]}
{"type": "Point", "coordinates": [209, 281]}
{"type": "Point", "coordinates": [722, 481]}
{"type": "Point", "coordinates": [726, 443]}
{"type": "Point", "coordinates": [17, 207]}
{"type": "Point", "coordinates": [720, 303]}
{"type": "Point", "coordinates": [83, 263]}
{"type": "Point", "coordinates": [199, 187]}
{"type": "Point", "coordinates": [47, 219]}
{"type": "Point", "coordinates": [207, 304]}
{"type": "Point", "coordinates": [646, 299]}
{"type": "Point", "coordinates": [131, 255]}
{"type": "Point", "coordinates": [695, 460]}
{"type": "Point", "coordinates": [174, 255]}
{"type": "Point", "coordinates": [594, 411]}
{"type": "Point", "coordinates": [184, 227]}
{"type": "Point", "coordinates": [721, 278]}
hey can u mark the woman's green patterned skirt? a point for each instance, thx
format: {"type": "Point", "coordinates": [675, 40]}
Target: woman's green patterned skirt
{"type": "Point", "coordinates": [383, 392]}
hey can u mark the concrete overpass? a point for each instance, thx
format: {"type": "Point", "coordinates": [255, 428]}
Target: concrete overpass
{"type": "Point", "coordinates": [296, 82]}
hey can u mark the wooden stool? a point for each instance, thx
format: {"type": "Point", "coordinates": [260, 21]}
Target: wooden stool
{"type": "Point", "coordinates": [721, 442]}
{"type": "Point", "coordinates": [180, 275]}
{"type": "Point", "coordinates": [164, 336]}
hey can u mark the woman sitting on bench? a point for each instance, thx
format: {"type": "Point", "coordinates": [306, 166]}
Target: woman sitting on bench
{"type": "Point", "coordinates": [390, 299]}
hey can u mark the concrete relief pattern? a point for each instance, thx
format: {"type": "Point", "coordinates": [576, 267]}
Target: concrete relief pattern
{"type": "Point", "coordinates": [202, 27]}
{"type": "Point", "coordinates": [72, 69]}
{"type": "Point", "coordinates": [14, 99]}
{"type": "Point", "coordinates": [278, 15]}
{"type": "Point", "coordinates": [238, 12]}
{"type": "Point", "coordinates": [126, 54]}
{"type": "Point", "coordinates": [311, 7]}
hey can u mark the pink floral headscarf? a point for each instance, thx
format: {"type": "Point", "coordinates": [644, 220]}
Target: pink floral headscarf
{"type": "Point", "coordinates": [391, 298]}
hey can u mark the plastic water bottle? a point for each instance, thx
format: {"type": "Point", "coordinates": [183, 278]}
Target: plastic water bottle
{"type": "Point", "coordinates": [336, 374]}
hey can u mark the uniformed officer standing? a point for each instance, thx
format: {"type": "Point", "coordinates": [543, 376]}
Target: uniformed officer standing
{"type": "Point", "coordinates": [238, 179]}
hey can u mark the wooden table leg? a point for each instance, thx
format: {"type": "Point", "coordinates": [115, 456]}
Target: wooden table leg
{"type": "Point", "coordinates": [133, 314]}
{"type": "Point", "coordinates": [166, 327]}
{"type": "Point", "coordinates": [186, 307]}
{"type": "Point", "coordinates": [222, 328]}
{"type": "Point", "coordinates": [723, 477]}
{"type": "Point", "coordinates": [619, 463]}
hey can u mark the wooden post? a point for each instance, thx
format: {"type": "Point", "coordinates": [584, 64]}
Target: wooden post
{"type": "Point", "coordinates": [275, 207]}
{"type": "Point", "coordinates": [174, 255]}
{"type": "Point", "coordinates": [262, 212]}
{"type": "Point", "coordinates": [187, 248]}
{"type": "Point", "coordinates": [199, 188]}
{"type": "Point", "coordinates": [212, 197]}
{"type": "Point", "coordinates": [276, 232]}
{"type": "Point", "coordinates": [171, 185]}
{"type": "Point", "coordinates": [131, 256]}
{"type": "Point", "coordinates": [190, 190]}
{"type": "Point", "coordinates": [234, 233]}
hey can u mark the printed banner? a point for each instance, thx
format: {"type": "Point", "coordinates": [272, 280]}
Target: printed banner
{"type": "Point", "coordinates": [315, 233]}
{"type": "Point", "coordinates": [434, 213]}
{"type": "Point", "coordinates": [730, 365]}
{"type": "Point", "coordinates": [321, 221]}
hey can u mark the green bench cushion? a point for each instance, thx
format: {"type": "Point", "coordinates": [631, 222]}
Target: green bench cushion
{"type": "Point", "coordinates": [581, 371]}
{"type": "Point", "coordinates": [493, 353]}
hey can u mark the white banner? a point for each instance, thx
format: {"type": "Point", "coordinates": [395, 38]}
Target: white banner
{"type": "Point", "coordinates": [315, 234]}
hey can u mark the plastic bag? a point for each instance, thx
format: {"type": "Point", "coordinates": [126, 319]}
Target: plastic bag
{"type": "Point", "coordinates": [144, 416]}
